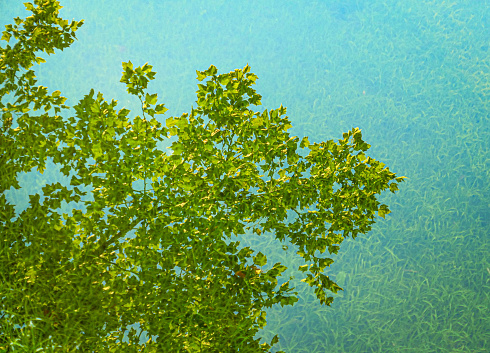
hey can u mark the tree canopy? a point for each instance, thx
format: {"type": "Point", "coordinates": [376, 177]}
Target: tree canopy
{"type": "Point", "coordinates": [81, 279]}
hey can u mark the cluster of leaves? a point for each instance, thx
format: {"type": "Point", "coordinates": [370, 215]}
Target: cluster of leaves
{"type": "Point", "coordinates": [82, 280]}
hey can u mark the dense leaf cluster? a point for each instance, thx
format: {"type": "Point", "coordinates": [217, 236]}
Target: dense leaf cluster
{"type": "Point", "coordinates": [81, 279]}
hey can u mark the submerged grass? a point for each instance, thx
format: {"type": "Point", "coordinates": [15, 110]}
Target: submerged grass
{"type": "Point", "coordinates": [419, 282]}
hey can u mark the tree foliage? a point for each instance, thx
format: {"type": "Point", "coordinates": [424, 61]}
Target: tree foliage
{"type": "Point", "coordinates": [81, 279]}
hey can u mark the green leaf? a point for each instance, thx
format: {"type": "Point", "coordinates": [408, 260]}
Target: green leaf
{"type": "Point", "coordinates": [95, 108]}
{"type": "Point", "coordinates": [151, 99]}
{"type": "Point", "coordinates": [304, 142]}
{"type": "Point", "coordinates": [6, 36]}
{"type": "Point", "coordinates": [211, 70]}
{"type": "Point", "coordinates": [29, 6]}
{"type": "Point", "coordinates": [224, 79]}
{"type": "Point", "coordinates": [260, 259]}
{"type": "Point", "coordinates": [200, 75]}
{"type": "Point", "coordinates": [97, 150]}
{"type": "Point", "coordinates": [127, 66]}
{"type": "Point", "coordinates": [257, 122]}
{"type": "Point", "coordinates": [169, 122]}
{"type": "Point", "coordinates": [303, 268]}
{"type": "Point", "coordinates": [383, 210]}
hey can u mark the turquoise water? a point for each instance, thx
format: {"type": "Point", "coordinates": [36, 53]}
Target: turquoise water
{"type": "Point", "coordinates": [414, 76]}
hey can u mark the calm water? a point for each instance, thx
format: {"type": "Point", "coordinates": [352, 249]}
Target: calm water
{"type": "Point", "coordinates": [412, 75]}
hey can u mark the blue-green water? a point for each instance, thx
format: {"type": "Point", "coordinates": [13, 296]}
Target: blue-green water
{"type": "Point", "coordinates": [414, 76]}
